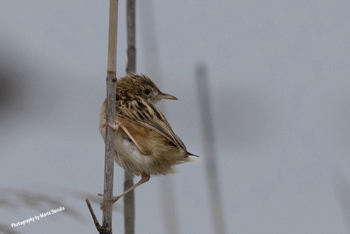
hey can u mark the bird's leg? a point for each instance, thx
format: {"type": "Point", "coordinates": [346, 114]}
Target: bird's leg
{"type": "Point", "coordinates": [117, 125]}
{"type": "Point", "coordinates": [144, 179]}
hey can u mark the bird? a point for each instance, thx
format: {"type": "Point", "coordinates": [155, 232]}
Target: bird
{"type": "Point", "coordinates": [145, 144]}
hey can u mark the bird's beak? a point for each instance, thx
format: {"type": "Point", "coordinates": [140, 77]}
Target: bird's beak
{"type": "Point", "coordinates": [166, 96]}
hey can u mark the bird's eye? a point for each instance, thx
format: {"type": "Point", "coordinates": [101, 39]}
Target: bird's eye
{"type": "Point", "coordinates": [147, 91]}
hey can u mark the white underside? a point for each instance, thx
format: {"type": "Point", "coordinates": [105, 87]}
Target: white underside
{"type": "Point", "coordinates": [129, 157]}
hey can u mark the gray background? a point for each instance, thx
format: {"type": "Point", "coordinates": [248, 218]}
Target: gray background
{"type": "Point", "coordinates": [279, 86]}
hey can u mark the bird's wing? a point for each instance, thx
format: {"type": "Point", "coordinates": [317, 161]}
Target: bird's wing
{"type": "Point", "coordinates": [146, 115]}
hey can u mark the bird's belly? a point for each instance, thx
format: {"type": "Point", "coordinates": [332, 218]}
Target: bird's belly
{"type": "Point", "coordinates": [129, 157]}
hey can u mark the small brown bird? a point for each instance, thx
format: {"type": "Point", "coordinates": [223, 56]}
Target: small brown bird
{"type": "Point", "coordinates": [145, 143]}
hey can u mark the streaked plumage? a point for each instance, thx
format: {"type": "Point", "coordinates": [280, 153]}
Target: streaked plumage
{"type": "Point", "coordinates": [157, 149]}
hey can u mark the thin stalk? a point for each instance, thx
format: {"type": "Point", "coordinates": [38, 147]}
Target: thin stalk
{"type": "Point", "coordinates": [111, 94]}
{"type": "Point", "coordinates": [341, 188]}
{"type": "Point", "coordinates": [209, 149]}
{"type": "Point", "coordinates": [111, 83]}
{"type": "Point", "coordinates": [129, 198]}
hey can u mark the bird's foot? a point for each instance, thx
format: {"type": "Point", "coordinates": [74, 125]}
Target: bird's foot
{"type": "Point", "coordinates": [105, 202]}
{"type": "Point", "coordinates": [114, 126]}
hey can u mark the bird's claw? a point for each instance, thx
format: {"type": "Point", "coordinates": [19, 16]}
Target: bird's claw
{"type": "Point", "coordinates": [113, 126]}
{"type": "Point", "coordinates": [106, 201]}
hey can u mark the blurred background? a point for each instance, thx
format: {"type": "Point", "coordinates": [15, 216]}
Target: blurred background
{"type": "Point", "coordinates": [278, 85]}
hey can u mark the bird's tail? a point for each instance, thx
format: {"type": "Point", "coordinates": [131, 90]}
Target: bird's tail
{"type": "Point", "coordinates": [190, 154]}
{"type": "Point", "coordinates": [191, 159]}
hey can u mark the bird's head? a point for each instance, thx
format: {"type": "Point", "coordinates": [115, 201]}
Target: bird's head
{"type": "Point", "coordinates": [140, 86]}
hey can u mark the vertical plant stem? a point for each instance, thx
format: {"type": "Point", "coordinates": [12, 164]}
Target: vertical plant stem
{"type": "Point", "coordinates": [129, 198]}
{"type": "Point", "coordinates": [341, 188]}
{"type": "Point", "coordinates": [209, 149]}
{"type": "Point", "coordinates": [129, 205]}
{"type": "Point", "coordinates": [130, 22]}
{"type": "Point", "coordinates": [111, 94]}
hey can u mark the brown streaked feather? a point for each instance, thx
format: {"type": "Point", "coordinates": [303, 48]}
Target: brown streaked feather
{"type": "Point", "coordinates": [140, 135]}
{"type": "Point", "coordinates": [145, 114]}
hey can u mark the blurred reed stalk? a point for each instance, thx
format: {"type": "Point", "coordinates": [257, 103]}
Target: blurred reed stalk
{"type": "Point", "coordinates": [129, 198]}
{"type": "Point", "coordinates": [209, 150]}
{"type": "Point", "coordinates": [153, 69]}
{"type": "Point", "coordinates": [111, 83]}
{"type": "Point", "coordinates": [341, 188]}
